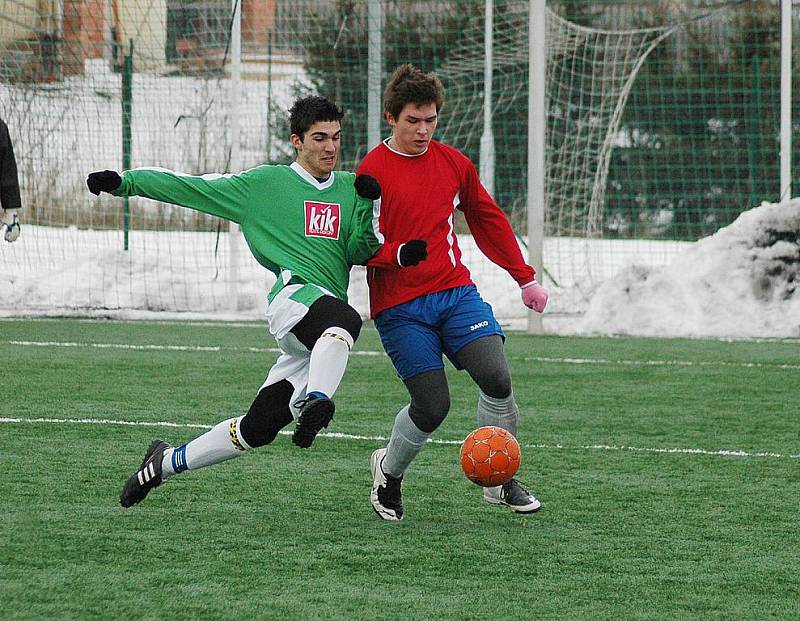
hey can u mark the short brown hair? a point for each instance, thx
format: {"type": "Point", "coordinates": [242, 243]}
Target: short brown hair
{"type": "Point", "coordinates": [411, 85]}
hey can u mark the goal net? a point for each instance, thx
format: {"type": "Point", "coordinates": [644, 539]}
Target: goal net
{"type": "Point", "coordinates": [77, 79]}
{"type": "Point", "coordinates": [589, 73]}
{"type": "Point", "coordinates": [643, 123]}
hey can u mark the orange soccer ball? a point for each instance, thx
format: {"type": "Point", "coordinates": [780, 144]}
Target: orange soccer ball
{"type": "Point", "coordinates": [490, 456]}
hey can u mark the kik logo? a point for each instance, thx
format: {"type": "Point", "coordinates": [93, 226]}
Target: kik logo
{"type": "Point", "coordinates": [322, 219]}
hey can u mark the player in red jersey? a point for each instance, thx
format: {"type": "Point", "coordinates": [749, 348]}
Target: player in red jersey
{"type": "Point", "coordinates": [434, 308]}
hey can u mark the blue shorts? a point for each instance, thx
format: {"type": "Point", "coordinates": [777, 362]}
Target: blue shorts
{"type": "Point", "coordinates": [416, 334]}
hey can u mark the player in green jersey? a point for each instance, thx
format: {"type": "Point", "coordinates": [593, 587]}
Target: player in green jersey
{"type": "Point", "coordinates": [308, 225]}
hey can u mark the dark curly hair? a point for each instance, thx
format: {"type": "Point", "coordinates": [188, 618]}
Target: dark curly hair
{"type": "Point", "coordinates": [309, 110]}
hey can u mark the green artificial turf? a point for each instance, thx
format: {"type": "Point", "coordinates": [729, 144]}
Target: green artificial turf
{"type": "Point", "coordinates": [668, 470]}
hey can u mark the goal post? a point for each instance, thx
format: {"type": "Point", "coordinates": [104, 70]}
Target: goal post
{"type": "Point", "coordinates": [786, 101]}
{"type": "Point", "coordinates": [568, 84]}
{"type": "Point", "coordinates": [487, 152]}
{"type": "Point", "coordinates": [620, 131]}
{"type": "Point", "coordinates": [536, 206]}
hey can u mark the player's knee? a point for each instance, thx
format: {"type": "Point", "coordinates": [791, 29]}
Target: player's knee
{"type": "Point", "coordinates": [326, 313]}
{"type": "Point", "coordinates": [268, 414]}
{"type": "Point", "coordinates": [349, 319]}
{"type": "Point", "coordinates": [430, 411]}
{"type": "Point", "coordinates": [496, 384]}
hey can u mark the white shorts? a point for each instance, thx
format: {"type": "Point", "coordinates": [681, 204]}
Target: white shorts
{"type": "Point", "coordinates": [283, 314]}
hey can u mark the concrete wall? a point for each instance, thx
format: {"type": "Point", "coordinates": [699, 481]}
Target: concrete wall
{"type": "Point", "coordinates": [85, 25]}
{"type": "Point", "coordinates": [84, 33]}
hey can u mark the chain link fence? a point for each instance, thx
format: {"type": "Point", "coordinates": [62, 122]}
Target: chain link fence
{"type": "Point", "coordinates": [663, 122]}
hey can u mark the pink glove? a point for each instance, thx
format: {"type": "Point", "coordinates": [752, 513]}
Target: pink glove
{"type": "Point", "coordinates": [534, 296]}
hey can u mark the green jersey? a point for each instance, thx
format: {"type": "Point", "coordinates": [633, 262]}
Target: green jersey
{"type": "Point", "coordinates": [303, 230]}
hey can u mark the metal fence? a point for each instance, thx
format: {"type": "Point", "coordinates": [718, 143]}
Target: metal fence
{"type": "Point", "coordinates": [696, 142]}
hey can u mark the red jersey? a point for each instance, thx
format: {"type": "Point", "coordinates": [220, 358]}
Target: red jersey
{"type": "Point", "coordinates": [419, 194]}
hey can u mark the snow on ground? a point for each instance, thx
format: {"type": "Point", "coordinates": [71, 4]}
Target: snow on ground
{"type": "Point", "coordinates": [740, 282]}
{"type": "Point", "coordinates": [67, 269]}
{"type": "Point", "coordinates": [743, 281]}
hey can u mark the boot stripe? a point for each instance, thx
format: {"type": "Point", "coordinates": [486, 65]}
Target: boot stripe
{"type": "Point", "coordinates": [145, 474]}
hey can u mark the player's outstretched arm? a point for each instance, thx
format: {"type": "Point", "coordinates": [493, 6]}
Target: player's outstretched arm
{"type": "Point", "coordinates": [223, 196]}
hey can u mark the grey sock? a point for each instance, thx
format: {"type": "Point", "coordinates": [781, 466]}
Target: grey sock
{"type": "Point", "coordinates": [498, 412]}
{"type": "Point", "coordinates": [406, 441]}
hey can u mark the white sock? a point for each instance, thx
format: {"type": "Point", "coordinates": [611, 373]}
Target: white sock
{"type": "Point", "coordinates": [220, 443]}
{"type": "Point", "coordinates": [498, 412]}
{"type": "Point", "coordinates": [329, 361]}
{"type": "Point", "coordinates": [405, 443]}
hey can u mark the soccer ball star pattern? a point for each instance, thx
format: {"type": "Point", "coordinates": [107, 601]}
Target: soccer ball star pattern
{"type": "Point", "coordinates": [490, 456]}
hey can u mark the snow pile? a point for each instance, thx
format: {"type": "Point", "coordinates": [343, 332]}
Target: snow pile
{"type": "Point", "coordinates": [743, 281]}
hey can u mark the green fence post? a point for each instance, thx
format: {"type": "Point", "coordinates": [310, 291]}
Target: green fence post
{"type": "Point", "coordinates": [752, 136]}
{"type": "Point", "coordinates": [127, 97]}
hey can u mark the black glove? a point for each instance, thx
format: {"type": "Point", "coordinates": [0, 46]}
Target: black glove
{"type": "Point", "coordinates": [413, 252]}
{"type": "Point", "coordinates": [103, 181]}
{"type": "Point", "coordinates": [367, 186]}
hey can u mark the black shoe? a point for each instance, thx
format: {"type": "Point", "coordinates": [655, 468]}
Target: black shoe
{"type": "Point", "coordinates": [315, 413]}
{"type": "Point", "coordinates": [146, 477]}
{"type": "Point", "coordinates": [387, 491]}
{"type": "Point", "coordinates": [514, 496]}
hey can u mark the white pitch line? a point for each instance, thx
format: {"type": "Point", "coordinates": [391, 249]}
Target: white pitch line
{"type": "Point", "coordinates": [198, 348]}
{"type": "Point", "coordinates": [348, 436]}
{"type": "Point", "coordinates": [116, 346]}
{"type": "Point", "coordinates": [275, 350]}
{"type": "Point", "coordinates": [103, 421]}
{"type": "Point", "coordinates": [665, 363]}
{"type": "Point", "coordinates": [109, 316]}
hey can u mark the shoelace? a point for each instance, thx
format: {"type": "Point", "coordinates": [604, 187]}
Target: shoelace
{"type": "Point", "coordinates": [392, 495]}
{"type": "Point", "coordinates": [299, 404]}
{"type": "Point", "coordinates": [514, 487]}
